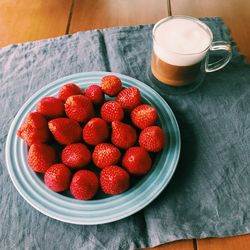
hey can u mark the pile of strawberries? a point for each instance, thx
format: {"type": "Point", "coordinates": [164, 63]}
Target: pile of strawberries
{"type": "Point", "coordinates": [73, 135]}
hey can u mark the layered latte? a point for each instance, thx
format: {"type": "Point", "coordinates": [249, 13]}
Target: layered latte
{"type": "Point", "coordinates": [179, 47]}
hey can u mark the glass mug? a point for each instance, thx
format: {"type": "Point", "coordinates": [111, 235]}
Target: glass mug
{"type": "Point", "coordinates": [180, 54]}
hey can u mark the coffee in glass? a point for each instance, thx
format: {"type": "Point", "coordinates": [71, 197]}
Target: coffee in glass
{"type": "Point", "coordinates": [180, 50]}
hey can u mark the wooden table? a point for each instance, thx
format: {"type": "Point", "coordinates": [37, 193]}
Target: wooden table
{"type": "Point", "coordinates": [29, 20]}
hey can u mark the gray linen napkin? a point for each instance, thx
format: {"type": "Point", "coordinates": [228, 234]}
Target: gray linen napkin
{"type": "Point", "coordinates": [209, 194]}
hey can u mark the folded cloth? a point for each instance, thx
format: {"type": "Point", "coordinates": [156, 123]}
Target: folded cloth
{"type": "Point", "coordinates": [208, 195]}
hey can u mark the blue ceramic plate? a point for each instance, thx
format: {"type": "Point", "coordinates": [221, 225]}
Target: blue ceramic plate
{"type": "Point", "coordinates": [104, 210]}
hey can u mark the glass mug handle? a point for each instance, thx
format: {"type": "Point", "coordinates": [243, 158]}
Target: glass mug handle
{"type": "Point", "coordinates": [218, 45]}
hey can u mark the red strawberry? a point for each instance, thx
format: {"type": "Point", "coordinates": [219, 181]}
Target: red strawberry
{"type": "Point", "coordinates": [34, 129]}
{"type": "Point", "coordinates": [84, 185]}
{"type": "Point", "coordinates": [57, 177]}
{"type": "Point", "coordinates": [144, 116]}
{"type": "Point", "coordinates": [65, 130]}
{"type": "Point", "coordinates": [41, 157]}
{"type": "Point", "coordinates": [137, 161]}
{"type": "Point", "coordinates": [112, 111]}
{"type": "Point", "coordinates": [123, 135]}
{"type": "Point", "coordinates": [76, 155]}
{"type": "Point", "coordinates": [114, 180]}
{"type": "Point", "coordinates": [152, 138]}
{"type": "Point", "coordinates": [129, 98]}
{"type": "Point", "coordinates": [35, 120]}
{"type": "Point", "coordinates": [111, 85]}
{"type": "Point", "coordinates": [105, 154]}
{"type": "Point", "coordinates": [79, 108]}
{"type": "Point", "coordinates": [95, 94]}
{"type": "Point", "coordinates": [95, 131]}
{"type": "Point", "coordinates": [68, 90]}
{"type": "Point", "coordinates": [50, 107]}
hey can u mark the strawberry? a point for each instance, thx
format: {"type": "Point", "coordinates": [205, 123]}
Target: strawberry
{"type": "Point", "coordinates": [84, 185]}
{"type": "Point", "coordinates": [95, 131]}
{"type": "Point", "coordinates": [79, 108]}
{"type": "Point", "coordinates": [41, 157]}
{"type": "Point", "coordinates": [57, 177]}
{"type": "Point", "coordinates": [65, 130]}
{"type": "Point", "coordinates": [68, 90]}
{"type": "Point", "coordinates": [152, 138]}
{"type": "Point", "coordinates": [34, 129]}
{"type": "Point", "coordinates": [144, 116]}
{"type": "Point", "coordinates": [137, 161]}
{"type": "Point", "coordinates": [95, 94]}
{"type": "Point", "coordinates": [123, 135]}
{"type": "Point", "coordinates": [76, 155]}
{"type": "Point", "coordinates": [129, 98]}
{"type": "Point", "coordinates": [35, 120]}
{"type": "Point", "coordinates": [111, 85]}
{"type": "Point", "coordinates": [50, 107]}
{"type": "Point", "coordinates": [112, 111]}
{"type": "Point", "coordinates": [114, 180]}
{"type": "Point", "coordinates": [105, 154]}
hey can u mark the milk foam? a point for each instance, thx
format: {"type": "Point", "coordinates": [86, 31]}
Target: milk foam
{"type": "Point", "coordinates": [181, 42]}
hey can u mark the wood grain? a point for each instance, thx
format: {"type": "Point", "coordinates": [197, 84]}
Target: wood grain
{"type": "Point", "coordinates": [229, 243]}
{"type": "Point", "coordinates": [29, 20]}
{"type": "Point", "coordinates": [235, 14]}
{"type": "Point", "coordinates": [177, 245]}
{"type": "Point", "coordinates": [89, 14]}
